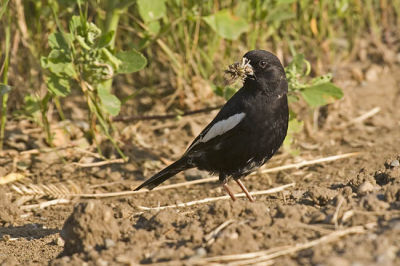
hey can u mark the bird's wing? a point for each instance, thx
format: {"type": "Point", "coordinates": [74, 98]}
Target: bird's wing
{"type": "Point", "coordinates": [225, 123]}
{"type": "Point", "coordinates": [215, 133]}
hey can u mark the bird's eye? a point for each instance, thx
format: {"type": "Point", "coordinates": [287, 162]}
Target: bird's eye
{"type": "Point", "coordinates": [262, 64]}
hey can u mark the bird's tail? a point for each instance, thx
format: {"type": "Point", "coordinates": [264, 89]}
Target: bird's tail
{"type": "Point", "coordinates": [164, 174]}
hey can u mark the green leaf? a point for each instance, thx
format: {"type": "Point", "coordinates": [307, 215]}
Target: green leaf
{"type": "Point", "coordinates": [92, 33]}
{"type": "Point", "coordinates": [226, 25]}
{"type": "Point", "coordinates": [218, 90]}
{"type": "Point", "coordinates": [110, 58]}
{"type": "Point", "coordinates": [132, 61]}
{"type": "Point", "coordinates": [105, 39]}
{"type": "Point", "coordinates": [83, 43]}
{"type": "Point", "coordinates": [294, 127]}
{"type": "Point", "coordinates": [321, 94]}
{"type": "Point", "coordinates": [58, 56]}
{"type": "Point", "coordinates": [228, 92]}
{"type": "Point", "coordinates": [154, 27]}
{"type": "Point", "coordinates": [109, 101]}
{"type": "Point", "coordinates": [321, 79]}
{"type": "Point", "coordinates": [32, 104]}
{"type": "Point", "coordinates": [299, 65]}
{"type": "Point", "coordinates": [278, 15]}
{"type": "Point", "coordinates": [60, 41]}
{"type": "Point", "coordinates": [75, 25]}
{"type": "Point", "coordinates": [151, 10]}
{"type": "Point", "coordinates": [58, 64]}
{"type": "Point", "coordinates": [58, 86]}
{"type": "Point", "coordinates": [285, 2]}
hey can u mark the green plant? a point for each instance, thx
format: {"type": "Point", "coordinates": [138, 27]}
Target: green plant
{"type": "Point", "coordinates": [318, 91]}
{"type": "Point", "coordinates": [81, 59]}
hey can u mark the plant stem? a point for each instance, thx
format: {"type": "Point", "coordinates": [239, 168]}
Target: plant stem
{"type": "Point", "coordinates": [5, 80]}
{"type": "Point", "coordinates": [59, 108]}
{"type": "Point", "coordinates": [112, 19]}
{"type": "Point", "coordinates": [46, 125]}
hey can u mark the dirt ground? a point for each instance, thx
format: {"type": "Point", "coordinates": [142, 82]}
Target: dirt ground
{"type": "Point", "coordinates": [344, 212]}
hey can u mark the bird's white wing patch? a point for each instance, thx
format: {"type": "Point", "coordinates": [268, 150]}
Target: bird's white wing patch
{"type": "Point", "coordinates": [223, 126]}
{"type": "Point", "coordinates": [219, 128]}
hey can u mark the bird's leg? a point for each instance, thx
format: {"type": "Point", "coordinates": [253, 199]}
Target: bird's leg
{"type": "Point", "coordinates": [224, 181]}
{"type": "Point", "coordinates": [229, 191]}
{"type": "Point", "coordinates": [241, 185]}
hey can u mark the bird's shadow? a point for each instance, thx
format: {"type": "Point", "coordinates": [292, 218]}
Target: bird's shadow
{"type": "Point", "coordinates": [28, 231]}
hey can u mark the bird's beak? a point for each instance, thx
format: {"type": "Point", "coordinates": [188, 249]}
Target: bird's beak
{"type": "Point", "coordinates": [239, 70]}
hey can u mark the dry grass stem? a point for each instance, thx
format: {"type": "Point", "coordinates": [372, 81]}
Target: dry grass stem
{"type": "Point", "coordinates": [336, 214]}
{"type": "Point", "coordinates": [305, 163]}
{"type": "Point", "coordinates": [46, 150]}
{"type": "Point", "coordinates": [267, 255]}
{"type": "Point", "coordinates": [210, 238]}
{"type": "Point", "coordinates": [83, 165]}
{"type": "Point", "coordinates": [361, 118]}
{"type": "Point", "coordinates": [96, 155]}
{"type": "Point", "coordinates": [365, 116]}
{"type": "Point", "coordinates": [57, 191]}
{"type": "Point", "coordinates": [206, 200]}
{"type": "Point", "coordinates": [45, 204]}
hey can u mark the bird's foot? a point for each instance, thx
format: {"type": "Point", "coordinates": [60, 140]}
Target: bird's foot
{"type": "Point", "coordinates": [244, 189]}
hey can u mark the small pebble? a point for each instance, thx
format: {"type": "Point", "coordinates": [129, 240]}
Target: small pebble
{"type": "Point", "coordinates": [201, 252]}
{"type": "Point", "coordinates": [394, 163]}
{"type": "Point", "coordinates": [365, 187]}
{"type": "Point", "coordinates": [109, 243]}
{"type": "Point", "coordinates": [335, 260]}
{"type": "Point", "coordinates": [60, 242]}
{"type": "Point", "coordinates": [101, 262]}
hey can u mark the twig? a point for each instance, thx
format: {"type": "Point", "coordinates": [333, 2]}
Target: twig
{"type": "Point", "coordinates": [120, 160]}
{"type": "Point", "coordinates": [45, 204]}
{"type": "Point", "coordinates": [361, 118]}
{"type": "Point", "coordinates": [96, 155]}
{"type": "Point", "coordinates": [336, 214]}
{"type": "Point", "coordinates": [210, 238]}
{"type": "Point", "coordinates": [206, 200]}
{"type": "Point", "coordinates": [305, 163]}
{"type": "Point", "coordinates": [47, 150]}
{"type": "Point", "coordinates": [365, 116]}
{"type": "Point", "coordinates": [163, 117]}
{"type": "Point", "coordinates": [266, 255]}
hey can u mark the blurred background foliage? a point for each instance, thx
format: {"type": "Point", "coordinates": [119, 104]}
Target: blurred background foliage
{"type": "Point", "coordinates": [176, 48]}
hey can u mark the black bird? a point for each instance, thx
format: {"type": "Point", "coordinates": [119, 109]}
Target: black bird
{"type": "Point", "coordinates": [248, 129]}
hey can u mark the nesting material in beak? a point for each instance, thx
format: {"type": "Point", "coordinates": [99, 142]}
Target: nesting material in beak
{"type": "Point", "coordinates": [238, 71]}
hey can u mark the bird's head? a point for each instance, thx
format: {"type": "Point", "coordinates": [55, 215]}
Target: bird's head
{"type": "Point", "coordinates": [259, 66]}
